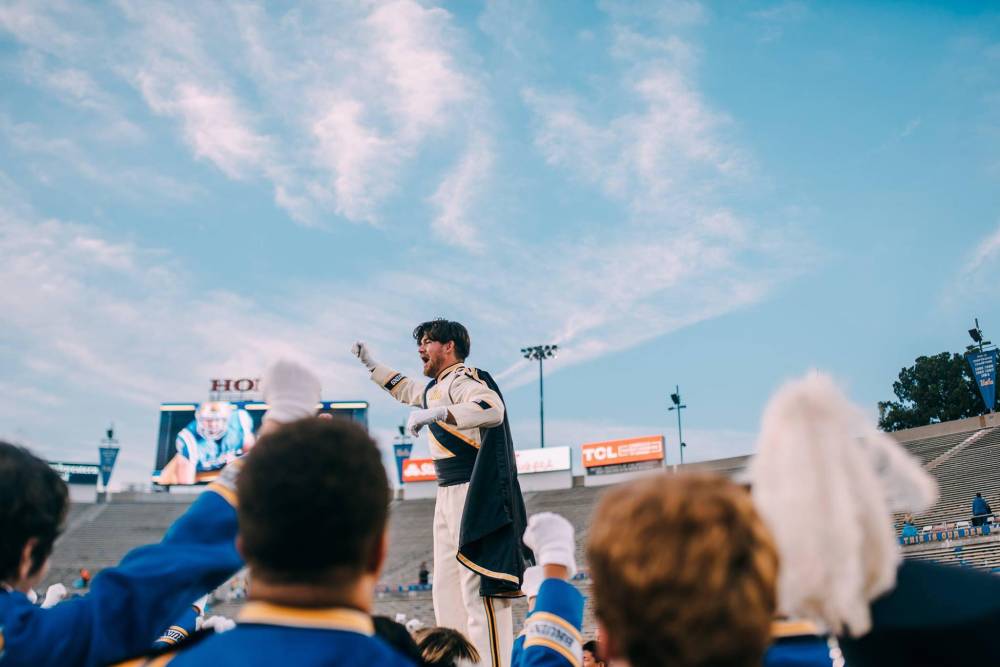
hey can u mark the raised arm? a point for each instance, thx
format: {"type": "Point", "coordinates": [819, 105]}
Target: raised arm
{"type": "Point", "coordinates": [128, 605]}
{"type": "Point", "coordinates": [402, 388]}
{"type": "Point", "coordinates": [552, 630]}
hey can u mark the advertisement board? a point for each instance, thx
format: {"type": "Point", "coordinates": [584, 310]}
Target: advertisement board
{"type": "Point", "coordinates": [196, 440]}
{"type": "Point", "coordinates": [622, 455]}
{"type": "Point", "coordinates": [546, 459]}
{"type": "Point", "coordinates": [419, 470]}
{"type": "Point", "coordinates": [76, 473]}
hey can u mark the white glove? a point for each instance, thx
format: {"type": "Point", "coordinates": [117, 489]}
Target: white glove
{"type": "Point", "coordinates": [53, 596]}
{"type": "Point", "coordinates": [551, 537]}
{"type": "Point", "coordinates": [360, 350]}
{"type": "Point", "coordinates": [291, 391]}
{"type": "Point", "coordinates": [421, 418]}
{"type": "Point", "coordinates": [217, 623]}
{"type": "Point", "coordinates": [32, 596]}
{"type": "Point", "coordinates": [533, 578]}
{"type": "Point", "coordinates": [414, 624]}
{"type": "Point", "coordinates": [400, 618]}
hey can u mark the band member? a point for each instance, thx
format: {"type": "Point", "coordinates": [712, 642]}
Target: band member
{"type": "Point", "coordinates": [479, 515]}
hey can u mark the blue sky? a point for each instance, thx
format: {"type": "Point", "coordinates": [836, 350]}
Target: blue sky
{"type": "Point", "coordinates": [720, 196]}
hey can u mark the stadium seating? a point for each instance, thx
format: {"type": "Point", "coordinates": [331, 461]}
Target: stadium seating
{"type": "Point", "coordinates": [98, 535]}
{"type": "Point", "coordinates": [964, 463]}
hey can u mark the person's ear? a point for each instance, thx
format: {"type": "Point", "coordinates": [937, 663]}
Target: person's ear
{"type": "Point", "coordinates": [27, 562]}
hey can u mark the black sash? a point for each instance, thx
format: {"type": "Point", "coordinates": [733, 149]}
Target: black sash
{"type": "Point", "coordinates": [455, 469]}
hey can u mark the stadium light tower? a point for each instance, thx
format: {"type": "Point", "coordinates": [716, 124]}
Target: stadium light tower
{"type": "Point", "coordinates": [541, 353]}
{"type": "Point", "coordinates": [977, 338]}
{"type": "Point", "coordinates": [675, 398]}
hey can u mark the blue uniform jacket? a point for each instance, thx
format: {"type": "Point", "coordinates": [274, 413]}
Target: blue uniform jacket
{"type": "Point", "coordinates": [180, 629]}
{"type": "Point", "coordinates": [130, 604]}
{"type": "Point", "coordinates": [552, 631]}
{"type": "Point", "coordinates": [269, 634]}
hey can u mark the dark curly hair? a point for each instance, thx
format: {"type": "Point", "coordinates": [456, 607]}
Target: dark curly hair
{"type": "Point", "coordinates": [33, 504]}
{"type": "Point", "coordinates": [445, 331]}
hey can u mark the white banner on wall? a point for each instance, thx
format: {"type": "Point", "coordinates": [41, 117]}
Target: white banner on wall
{"type": "Point", "coordinates": [547, 459]}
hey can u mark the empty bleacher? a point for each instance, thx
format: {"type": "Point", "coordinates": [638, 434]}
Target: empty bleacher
{"type": "Point", "coordinates": [98, 535]}
{"type": "Point", "coordinates": [963, 458]}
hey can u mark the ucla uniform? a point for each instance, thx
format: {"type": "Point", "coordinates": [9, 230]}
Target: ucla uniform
{"type": "Point", "coordinates": [268, 634]}
{"type": "Point", "coordinates": [180, 629]}
{"type": "Point", "coordinates": [130, 604]}
{"type": "Point", "coordinates": [458, 603]}
{"type": "Point", "coordinates": [552, 631]}
{"type": "Point", "coordinates": [208, 454]}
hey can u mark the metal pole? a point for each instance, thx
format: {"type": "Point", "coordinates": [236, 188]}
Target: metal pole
{"type": "Point", "coordinates": [541, 402]}
{"type": "Point", "coordinates": [680, 435]}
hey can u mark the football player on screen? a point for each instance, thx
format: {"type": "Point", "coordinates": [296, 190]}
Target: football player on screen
{"type": "Point", "coordinates": [218, 434]}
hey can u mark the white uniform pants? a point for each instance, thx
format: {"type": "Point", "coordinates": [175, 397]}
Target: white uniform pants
{"type": "Point", "coordinates": [486, 622]}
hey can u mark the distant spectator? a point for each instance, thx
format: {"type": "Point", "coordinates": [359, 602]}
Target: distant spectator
{"type": "Point", "coordinates": [444, 647]}
{"type": "Point", "coordinates": [684, 573]}
{"type": "Point", "coordinates": [592, 656]}
{"type": "Point", "coordinates": [424, 574]}
{"type": "Point", "coordinates": [85, 576]}
{"type": "Point", "coordinates": [909, 530]}
{"type": "Point", "coordinates": [980, 510]}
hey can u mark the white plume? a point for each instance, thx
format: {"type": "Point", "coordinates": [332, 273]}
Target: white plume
{"type": "Point", "coordinates": [826, 481]}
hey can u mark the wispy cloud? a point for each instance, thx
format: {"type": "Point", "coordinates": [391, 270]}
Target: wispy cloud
{"type": "Point", "coordinates": [986, 250]}
{"type": "Point", "coordinates": [350, 111]}
{"type": "Point", "coordinates": [775, 19]}
{"type": "Point", "coordinates": [327, 103]}
{"type": "Point", "coordinates": [455, 198]}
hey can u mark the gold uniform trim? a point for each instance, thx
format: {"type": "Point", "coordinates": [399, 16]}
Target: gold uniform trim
{"type": "Point", "coordinates": [555, 646]}
{"type": "Point", "coordinates": [491, 623]}
{"type": "Point", "coordinates": [158, 661]}
{"type": "Point", "coordinates": [227, 494]}
{"type": "Point", "coordinates": [167, 639]}
{"type": "Point", "coordinates": [458, 434]}
{"type": "Point", "coordinates": [487, 573]}
{"type": "Point", "coordinates": [793, 628]}
{"type": "Point", "coordinates": [445, 372]}
{"type": "Point", "coordinates": [439, 450]}
{"type": "Point", "coordinates": [552, 618]}
{"type": "Point", "coordinates": [330, 618]}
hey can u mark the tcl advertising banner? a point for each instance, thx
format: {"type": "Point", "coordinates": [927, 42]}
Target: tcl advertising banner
{"type": "Point", "coordinates": [419, 470]}
{"type": "Point", "coordinates": [622, 455]}
{"type": "Point", "coordinates": [546, 459]}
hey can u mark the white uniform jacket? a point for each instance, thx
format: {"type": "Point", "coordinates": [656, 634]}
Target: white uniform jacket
{"type": "Point", "coordinates": [473, 404]}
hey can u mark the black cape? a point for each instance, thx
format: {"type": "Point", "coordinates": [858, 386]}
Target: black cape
{"type": "Point", "coordinates": [938, 615]}
{"type": "Point", "coordinates": [494, 518]}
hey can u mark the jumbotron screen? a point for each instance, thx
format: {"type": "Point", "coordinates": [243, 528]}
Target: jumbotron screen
{"type": "Point", "coordinates": [197, 439]}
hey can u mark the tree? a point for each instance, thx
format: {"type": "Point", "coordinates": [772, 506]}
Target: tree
{"type": "Point", "coordinates": [934, 389]}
